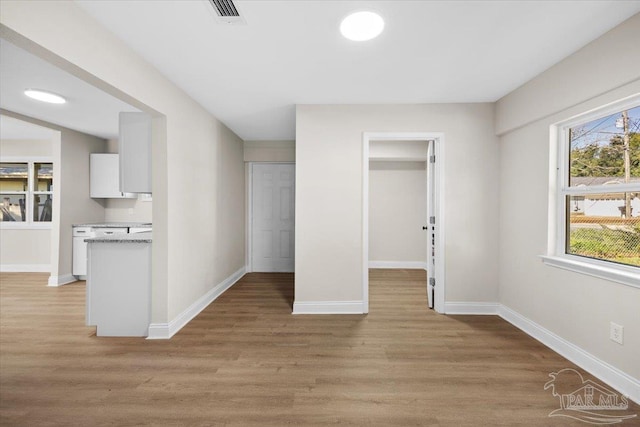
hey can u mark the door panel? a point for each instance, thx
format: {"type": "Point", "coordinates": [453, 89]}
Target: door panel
{"type": "Point", "coordinates": [431, 226]}
{"type": "Point", "coordinates": [272, 220]}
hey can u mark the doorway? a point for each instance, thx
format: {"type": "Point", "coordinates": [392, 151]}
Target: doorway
{"type": "Point", "coordinates": [271, 217]}
{"type": "Point", "coordinates": [411, 147]}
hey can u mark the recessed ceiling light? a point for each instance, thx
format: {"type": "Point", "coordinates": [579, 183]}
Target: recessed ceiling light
{"type": "Point", "coordinates": [361, 26]}
{"type": "Point", "coordinates": [44, 96]}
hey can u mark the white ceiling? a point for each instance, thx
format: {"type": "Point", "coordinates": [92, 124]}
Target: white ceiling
{"type": "Point", "coordinates": [291, 52]}
{"type": "Point", "coordinates": [88, 109]}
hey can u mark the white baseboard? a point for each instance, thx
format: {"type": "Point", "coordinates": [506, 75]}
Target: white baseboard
{"type": "Point", "coordinates": [159, 331]}
{"type": "Point", "coordinates": [410, 265]}
{"type": "Point", "coordinates": [611, 375]}
{"type": "Point", "coordinates": [328, 307]}
{"type": "Point", "coordinates": [483, 308]}
{"type": "Point", "coordinates": [25, 268]}
{"type": "Point", "coordinates": [55, 281]}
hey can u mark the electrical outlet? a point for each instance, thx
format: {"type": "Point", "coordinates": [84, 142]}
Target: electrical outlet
{"type": "Point", "coordinates": [616, 333]}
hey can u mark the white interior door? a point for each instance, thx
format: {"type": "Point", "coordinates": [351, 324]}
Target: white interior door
{"type": "Point", "coordinates": [272, 219]}
{"type": "Point", "coordinates": [431, 225]}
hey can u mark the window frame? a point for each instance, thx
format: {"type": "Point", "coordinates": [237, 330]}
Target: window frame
{"type": "Point", "coordinates": [31, 192]}
{"type": "Point", "coordinates": [559, 189]}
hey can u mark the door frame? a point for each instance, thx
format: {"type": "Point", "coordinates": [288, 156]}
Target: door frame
{"type": "Point", "coordinates": [249, 210]}
{"type": "Point", "coordinates": [435, 201]}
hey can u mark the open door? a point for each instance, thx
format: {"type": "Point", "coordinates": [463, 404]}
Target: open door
{"type": "Point", "coordinates": [434, 222]}
{"type": "Point", "coordinates": [430, 228]}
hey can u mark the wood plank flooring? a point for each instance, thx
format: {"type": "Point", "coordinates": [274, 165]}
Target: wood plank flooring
{"type": "Point", "coordinates": [246, 361]}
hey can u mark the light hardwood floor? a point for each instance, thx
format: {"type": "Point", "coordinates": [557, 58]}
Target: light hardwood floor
{"type": "Point", "coordinates": [246, 361]}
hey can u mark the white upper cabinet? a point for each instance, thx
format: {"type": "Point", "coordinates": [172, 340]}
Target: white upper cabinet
{"type": "Point", "coordinates": [104, 177]}
{"type": "Point", "coordinates": [135, 153]}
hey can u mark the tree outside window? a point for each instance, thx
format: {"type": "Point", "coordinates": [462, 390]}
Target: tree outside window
{"type": "Point", "coordinates": [602, 189]}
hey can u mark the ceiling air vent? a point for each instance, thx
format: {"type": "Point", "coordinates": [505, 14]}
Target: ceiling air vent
{"type": "Point", "coordinates": [227, 12]}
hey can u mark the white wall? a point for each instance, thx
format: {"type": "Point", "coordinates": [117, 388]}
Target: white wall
{"type": "Point", "coordinates": [25, 148]}
{"type": "Point", "coordinates": [75, 203]}
{"type": "Point", "coordinates": [198, 179]}
{"type": "Point", "coordinates": [72, 204]}
{"type": "Point", "coordinates": [610, 61]}
{"type": "Point", "coordinates": [128, 210]}
{"type": "Point", "coordinates": [28, 249]}
{"type": "Point", "coordinates": [576, 307]}
{"type": "Point", "coordinates": [25, 250]}
{"type": "Point", "coordinates": [397, 212]}
{"type": "Point", "coordinates": [329, 195]}
{"type": "Point", "coordinates": [230, 202]}
{"type": "Point", "coordinates": [269, 151]}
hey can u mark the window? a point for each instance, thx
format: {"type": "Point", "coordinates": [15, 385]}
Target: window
{"type": "Point", "coordinates": [26, 192]}
{"type": "Point", "coordinates": [597, 202]}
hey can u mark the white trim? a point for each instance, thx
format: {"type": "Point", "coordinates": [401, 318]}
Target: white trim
{"type": "Point", "coordinates": [26, 159]}
{"type": "Point", "coordinates": [161, 331]}
{"type": "Point", "coordinates": [29, 224]}
{"type": "Point", "coordinates": [399, 159]}
{"type": "Point", "coordinates": [476, 308]}
{"type": "Point", "coordinates": [25, 268]}
{"type": "Point", "coordinates": [557, 255]}
{"type": "Point", "coordinates": [249, 217]}
{"type": "Point", "coordinates": [55, 281]}
{"type": "Point", "coordinates": [24, 225]}
{"type": "Point", "coordinates": [599, 189]}
{"type": "Point", "coordinates": [436, 140]}
{"type": "Point", "coordinates": [601, 111]}
{"type": "Point", "coordinates": [439, 209]}
{"type": "Point", "coordinates": [596, 268]}
{"type": "Point", "coordinates": [365, 222]}
{"type": "Point", "coordinates": [410, 265]}
{"type": "Point", "coordinates": [329, 307]}
{"type": "Point", "coordinates": [611, 375]}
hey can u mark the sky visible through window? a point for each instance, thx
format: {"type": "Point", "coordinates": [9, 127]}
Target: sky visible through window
{"type": "Point", "coordinates": [597, 148]}
{"type": "Point", "coordinates": [601, 130]}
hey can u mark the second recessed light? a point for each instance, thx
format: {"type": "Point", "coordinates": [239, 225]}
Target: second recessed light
{"type": "Point", "coordinates": [45, 96]}
{"type": "Point", "coordinates": [361, 26]}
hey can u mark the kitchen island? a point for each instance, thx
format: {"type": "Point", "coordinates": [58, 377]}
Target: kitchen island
{"type": "Point", "coordinates": [81, 232]}
{"type": "Point", "coordinates": [119, 284]}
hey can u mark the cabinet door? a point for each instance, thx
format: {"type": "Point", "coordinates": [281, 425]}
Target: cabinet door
{"type": "Point", "coordinates": [135, 153]}
{"type": "Point", "coordinates": [104, 176]}
{"type": "Point", "coordinates": [79, 266]}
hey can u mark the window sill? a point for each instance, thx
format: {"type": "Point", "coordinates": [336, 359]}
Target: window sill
{"type": "Point", "coordinates": [10, 225]}
{"type": "Point", "coordinates": [619, 274]}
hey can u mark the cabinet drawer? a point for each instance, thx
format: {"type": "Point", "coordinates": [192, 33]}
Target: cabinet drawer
{"type": "Point", "coordinates": [81, 231]}
{"type": "Point", "coordinates": [108, 231]}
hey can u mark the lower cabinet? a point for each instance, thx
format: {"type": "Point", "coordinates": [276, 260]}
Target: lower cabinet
{"type": "Point", "coordinates": [80, 233]}
{"type": "Point", "coordinates": [119, 288]}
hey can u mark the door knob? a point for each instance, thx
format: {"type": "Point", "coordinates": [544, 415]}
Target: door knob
{"type": "Point", "coordinates": [425, 227]}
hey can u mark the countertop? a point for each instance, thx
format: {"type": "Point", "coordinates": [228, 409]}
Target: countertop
{"type": "Point", "coordinates": [114, 224]}
{"type": "Point", "coordinates": [145, 237]}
